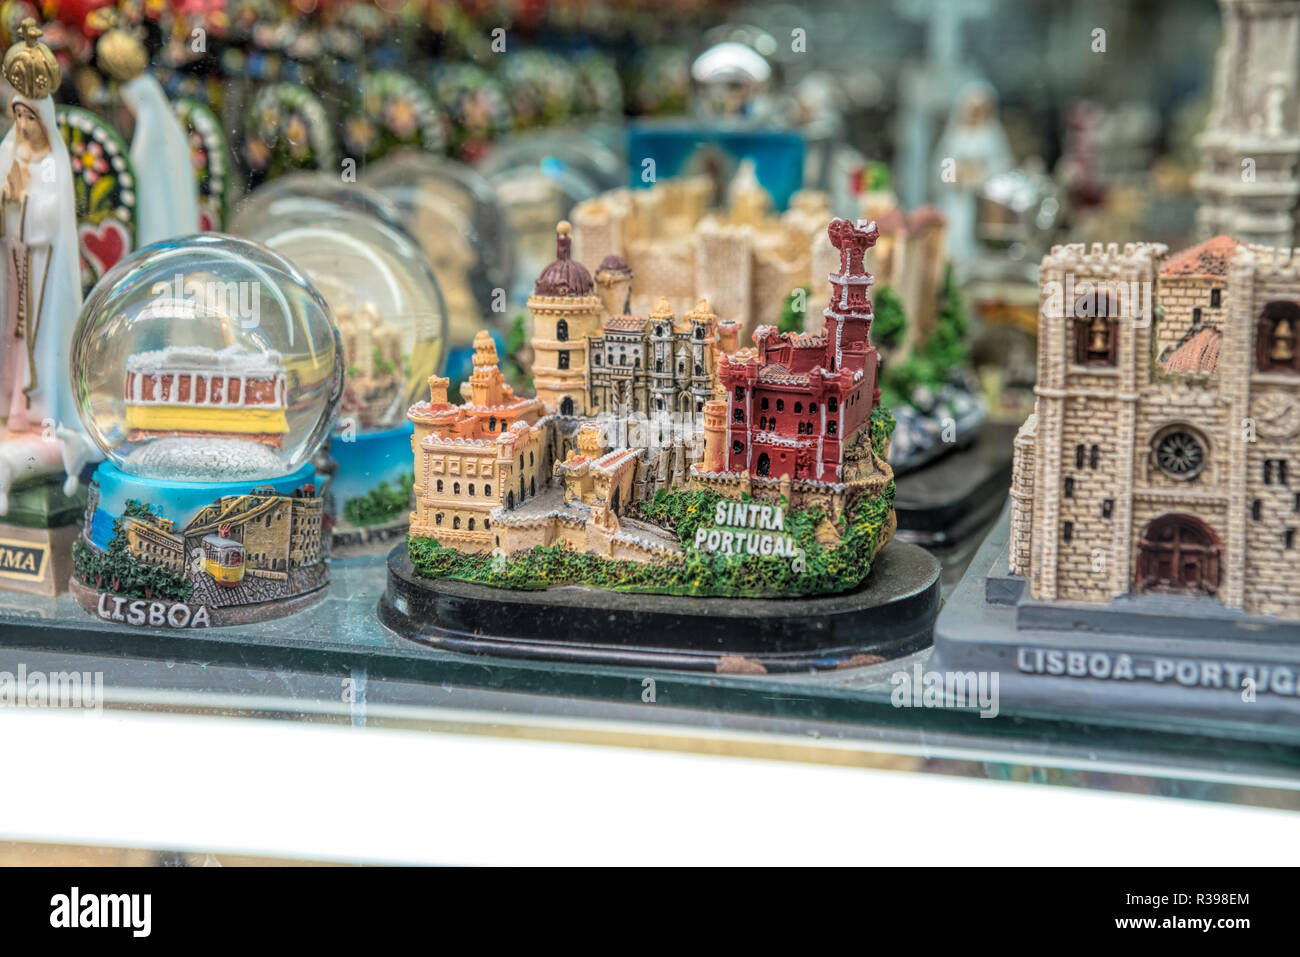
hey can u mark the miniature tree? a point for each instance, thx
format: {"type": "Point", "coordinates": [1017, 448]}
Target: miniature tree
{"type": "Point", "coordinates": [793, 310]}
{"type": "Point", "coordinates": [890, 320]}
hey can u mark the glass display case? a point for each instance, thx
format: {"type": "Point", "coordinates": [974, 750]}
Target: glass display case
{"type": "Point", "coordinates": [599, 434]}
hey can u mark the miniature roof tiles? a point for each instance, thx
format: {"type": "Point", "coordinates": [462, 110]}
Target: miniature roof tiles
{"type": "Point", "coordinates": [1197, 353]}
{"type": "Point", "coordinates": [1209, 260]}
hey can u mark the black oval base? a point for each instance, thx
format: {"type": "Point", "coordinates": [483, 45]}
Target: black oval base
{"type": "Point", "coordinates": [890, 615]}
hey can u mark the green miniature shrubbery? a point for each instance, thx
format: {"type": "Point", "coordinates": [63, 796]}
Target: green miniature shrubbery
{"type": "Point", "coordinates": [381, 504]}
{"type": "Point", "coordinates": [116, 571]}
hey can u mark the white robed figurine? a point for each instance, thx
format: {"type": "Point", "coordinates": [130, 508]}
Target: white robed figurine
{"type": "Point", "coordinates": [40, 281]}
{"type": "Point", "coordinates": [166, 189]}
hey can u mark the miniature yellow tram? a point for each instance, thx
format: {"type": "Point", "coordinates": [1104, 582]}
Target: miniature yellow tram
{"type": "Point", "coordinates": [198, 392]}
{"type": "Point", "coordinates": [223, 559]}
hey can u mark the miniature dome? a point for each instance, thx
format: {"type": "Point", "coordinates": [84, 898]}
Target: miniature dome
{"type": "Point", "coordinates": [564, 276]}
{"type": "Point", "coordinates": [615, 267]}
{"type": "Point", "coordinates": [386, 302]}
{"type": "Point", "coordinates": [207, 358]}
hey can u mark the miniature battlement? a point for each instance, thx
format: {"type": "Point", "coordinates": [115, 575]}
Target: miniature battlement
{"type": "Point", "coordinates": [1282, 262]}
{"type": "Point", "coordinates": [1099, 257]}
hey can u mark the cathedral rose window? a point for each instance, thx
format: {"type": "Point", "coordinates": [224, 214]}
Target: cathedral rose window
{"type": "Point", "coordinates": [1179, 454]}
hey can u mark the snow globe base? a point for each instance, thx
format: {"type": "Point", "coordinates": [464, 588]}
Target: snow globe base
{"type": "Point", "coordinates": [1176, 663]}
{"type": "Point", "coordinates": [163, 553]}
{"type": "Point", "coordinates": [890, 615]}
{"type": "Point", "coordinates": [370, 491]}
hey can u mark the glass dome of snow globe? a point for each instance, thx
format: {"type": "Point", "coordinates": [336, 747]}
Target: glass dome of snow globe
{"type": "Point", "coordinates": [537, 189]}
{"type": "Point", "coordinates": [386, 300]}
{"type": "Point", "coordinates": [206, 359]}
{"type": "Point", "coordinates": [454, 215]}
{"type": "Point", "coordinates": [310, 191]}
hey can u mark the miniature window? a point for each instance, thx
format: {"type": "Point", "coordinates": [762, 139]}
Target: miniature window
{"type": "Point", "coordinates": [471, 524]}
{"type": "Point", "coordinates": [530, 458]}
{"type": "Point", "coordinates": [1094, 456]}
{"type": "Point", "coordinates": [1179, 454]}
{"type": "Point", "coordinates": [1296, 507]}
{"type": "Point", "coordinates": [1107, 507]}
{"type": "Point", "coordinates": [471, 488]}
{"type": "Point", "coordinates": [798, 408]}
{"type": "Point", "coordinates": [1275, 471]}
{"type": "Point", "coordinates": [487, 523]}
{"type": "Point", "coordinates": [562, 330]}
{"type": "Point", "coordinates": [492, 424]}
{"type": "Point", "coordinates": [1069, 488]}
{"type": "Point", "coordinates": [438, 518]}
{"type": "Point", "coordinates": [1079, 453]}
{"type": "Point", "coordinates": [780, 405]}
{"type": "Point", "coordinates": [737, 447]}
{"type": "Point", "coordinates": [1290, 538]}
{"type": "Point", "coordinates": [699, 369]}
{"type": "Point", "coordinates": [699, 332]}
{"type": "Point", "coordinates": [1275, 338]}
{"type": "Point", "coordinates": [564, 360]}
{"type": "Point", "coordinates": [1255, 508]}
{"type": "Point", "coordinates": [1196, 316]}
{"type": "Point", "coordinates": [740, 394]}
{"type": "Point", "coordinates": [595, 358]}
{"type": "Point", "coordinates": [1067, 532]}
{"type": "Point", "coordinates": [763, 404]}
{"type": "Point", "coordinates": [738, 415]}
{"type": "Point", "coordinates": [439, 485]}
{"type": "Point", "coordinates": [1216, 298]}
{"type": "Point", "coordinates": [831, 428]}
{"type": "Point", "coordinates": [487, 490]}
{"type": "Point", "coordinates": [812, 408]}
{"type": "Point", "coordinates": [456, 488]}
{"type": "Point", "coordinates": [455, 522]}
{"type": "Point", "coordinates": [1096, 331]}
{"type": "Point", "coordinates": [832, 404]}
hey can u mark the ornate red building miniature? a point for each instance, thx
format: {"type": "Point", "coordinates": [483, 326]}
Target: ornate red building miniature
{"type": "Point", "coordinates": [793, 401]}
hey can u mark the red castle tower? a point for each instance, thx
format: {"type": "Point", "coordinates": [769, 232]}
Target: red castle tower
{"type": "Point", "coordinates": [794, 400]}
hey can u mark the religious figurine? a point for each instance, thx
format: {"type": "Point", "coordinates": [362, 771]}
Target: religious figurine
{"type": "Point", "coordinates": [973, 147]}
{"type": "Point", "coordinates": [40, 296]}
{"type": "Point", "coordinates": [160, 149]}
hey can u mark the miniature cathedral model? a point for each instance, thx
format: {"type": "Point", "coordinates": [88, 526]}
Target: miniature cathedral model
{"type": "Point", "coordinates": [1160, 457]}
{"type": "Point", "coordinates": [627, 406]}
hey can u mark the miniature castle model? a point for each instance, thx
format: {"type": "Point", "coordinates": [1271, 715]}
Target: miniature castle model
{"type": "Point", "coordinates": [474, 458]}
{"type": "Point", "coordinates": [1160, 454]}
{"type": "Point", "coordinates": [628, 405]}
{"type": "Point", "coordinates": [793, 401]}
{"type": "Point", "coordinates": [1251, 142]}
{"type": "Point", "coordinates": [744, 260]}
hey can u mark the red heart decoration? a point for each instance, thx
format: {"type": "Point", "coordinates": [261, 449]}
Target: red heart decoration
{"type": "Point", "coordinates": [104, 245]}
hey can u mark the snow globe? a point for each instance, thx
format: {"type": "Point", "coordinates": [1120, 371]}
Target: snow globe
{"type": "Point", "coordinates": [208, 370]}
{"type": "Point", "coordinates": [311, 191]}
{"type": "Point", "coordinates": [454, 215]}
{"type": "Point", "coordinates": [392, 321]}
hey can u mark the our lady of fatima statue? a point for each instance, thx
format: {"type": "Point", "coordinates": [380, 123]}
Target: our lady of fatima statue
{"type": "Point", "coordinates": [169, 194]}
{"type": "Point", "coordinates": [40, 282]}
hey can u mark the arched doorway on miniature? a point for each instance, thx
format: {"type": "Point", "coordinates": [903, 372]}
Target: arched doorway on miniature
{"type": "Point", "coordinates": [566, 405]}
{"type": "Point", "coordinates": [764, 464]}
{"type": "Point", "coordinates": [1178, 554]}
